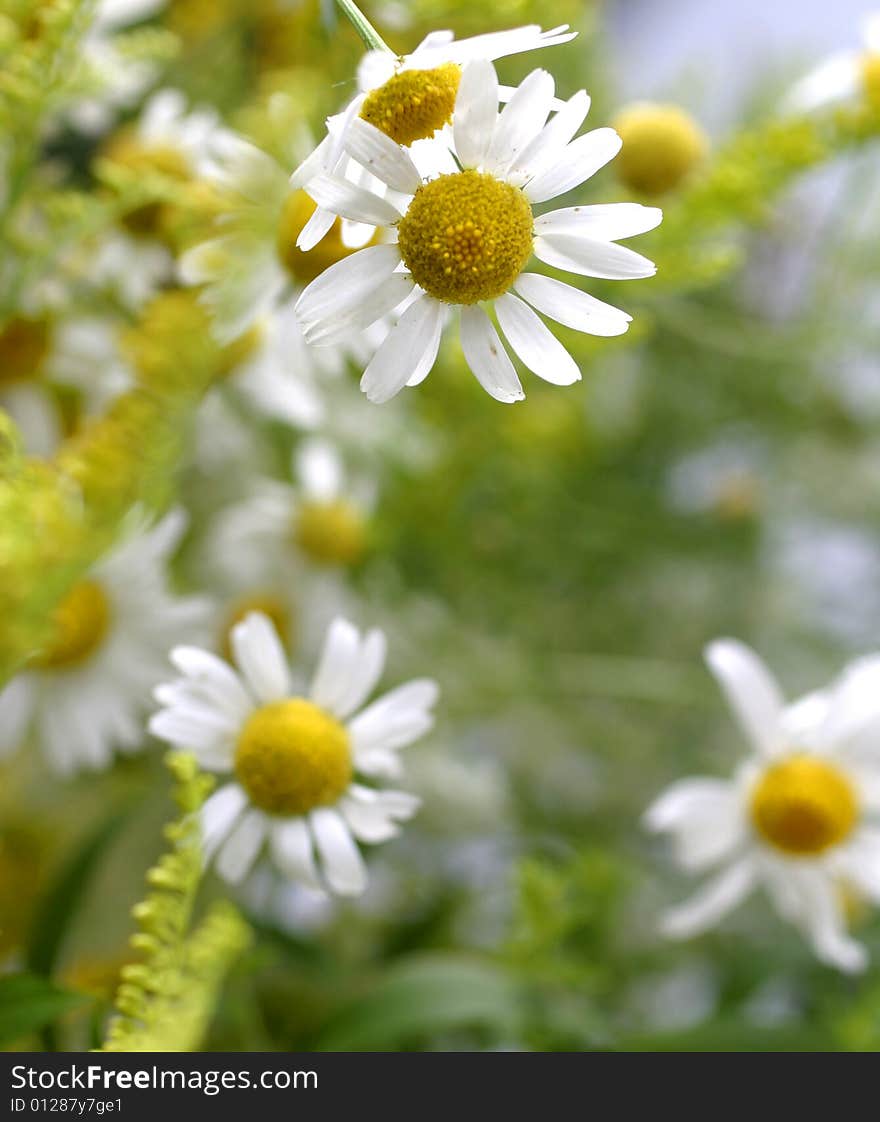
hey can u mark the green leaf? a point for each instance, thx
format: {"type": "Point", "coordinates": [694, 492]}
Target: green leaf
{"type": "Point", "coordinates": [60, 904]}
{"type": "Point", "coordinates": [29, 1003]}
{"type": "Point", "coordinates": [424, 994]}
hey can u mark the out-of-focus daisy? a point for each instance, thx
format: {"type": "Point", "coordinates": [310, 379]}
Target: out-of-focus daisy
{"type": "Point", "coordinates": [409, 98]}
{"type": "Point", "coordinates": [463, 240]}
{"type": "Point", "coordinates": [84, 695]}
{"type": "Point", "coordinates": [295, 753]}
{"type": "Point", "coordinates": [852, 75]}
{"type": "Point", "coordinates": [38, 354]}
{"type": "Point", "coordinates": [254, 261]}
{"type": "Point", "coordinates": [800, 817]}
{"type": "Point", "coordinates": [319, 523]}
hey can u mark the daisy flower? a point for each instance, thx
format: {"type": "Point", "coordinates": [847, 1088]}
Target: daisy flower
{"type": "Point", "coordinates": [799, 817]}
{"type": "Point", "coordinates": [84, 694]}
{"type": "Point", "coordinates": [462, 241]}
{"type": "Point", "coordinates": [409, 98]}
{"type": "Point", "coordinates": [850, 75]}
{"type": "Point", "coordinates": [319, 523]}
{"type": "Point", "coordinates": [295, 754]}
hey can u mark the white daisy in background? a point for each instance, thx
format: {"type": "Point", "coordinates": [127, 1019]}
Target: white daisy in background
{"type": "Point", "coordinates": [410, 98]}
{"type": "Point", "coordinates": [852, 75]}
{"type": "Point", "coordinates": [463, 240]}
{"type": "Point", "coordinates": [801, 817]}
{"type": "Point", "coordinates": [321, 522]}
{"type": "Point", "coordinates": [84, 696]}
{"type": "Point", "coordinates": [295, 753]}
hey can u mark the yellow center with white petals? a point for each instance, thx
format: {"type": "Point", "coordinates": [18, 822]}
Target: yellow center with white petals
{"type": "Point", "coordinates": [870, 68]}
{"type": "Point", "coordinates": [661, 146]}
{"type": "Point", "coordinates": [304, 267]}
{"type": "Point", "coordinates": [804, 805]}
{"type": "Point", "coordinates": [80, 622]}
{"type": "Point", "coordinates": [466, 237]}
{"type": "Point", "coordinates": [333, 533]}
{"type": "Point", "coordinates": [413, 104]}
{"type": "Point", "coordinates": [24, 345]}
{"type": "Point", "coordinates": [291, 757]}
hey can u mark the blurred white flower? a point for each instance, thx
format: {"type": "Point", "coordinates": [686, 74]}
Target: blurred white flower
{"type": "Point", "coordinates": [462, 240]}
{"type": "Point", "coordinates": [800, 817]}
{"type": "Point", "coordinates": [294, 753]}
{"type": "Point", "coordinates": [852, 75]}
{"type": "Point", "coordinates": [84, 696]}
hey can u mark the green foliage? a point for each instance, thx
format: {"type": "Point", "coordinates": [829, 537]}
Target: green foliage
{"type": "Point", "coordinates": [165, 1000]}
{"type": "Point", "coordinates": [28, 1003]}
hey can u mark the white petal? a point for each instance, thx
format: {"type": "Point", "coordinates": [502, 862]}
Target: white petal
{"type": "Point", "coordinates": [316, 229]}
{"type": "Point", "coordinates": [545, 149]}
{"type": "Point", "coordinates": [570, 306]}
{"type": "Point", "coordinates": [350, 201]}
{"type": "Point", "coordinates": [432, 347]}
{"type": "Point", "coordinates": [366, 673]}
{"type": "Point", "coordinates": [260, 657]}
{"type": "Point", "coordinates": [704, 817]}
{"type": "Point", "coordinates": [751, 692]}
{"type": "Point", "coordinates": [487, 358]}
{"type": "Point", "coordinates": [341, 860]}
{"type": "Point", "coordinates": [858, 863]}
{"type": "Point", "coordinates": [534, 343]}
{"type": "Point", "coordinates": [215, 678]}
{"type": "Point", "coordinates": [372, 307]}
{"type": "Point", "coordinates": [824, 923]}
{"type": "Point", "coordinates": [711, 903]}
{"type": "Point", "coordinates": [319, 468]}
{"type": "Point", "coordinates": [409, 346]}
{"type": "Point", "coordinates": [16, 709]}
{"type": "Point", "coordinates": [372, 815]}
{"type": "Point", "coordinates": [593, 259]}
{"type": "Point", "coordinates": [578, 161]}
{"type": "Point", "coordinates": [336, 666]}
{"type": "Point", "coordinates": [492, 45]}
{"type": "Point", "coordinates": [238, 853]}
{"type": "Point", "coordinates": [198, 729]}
{"type": "Point", "coordinates": [344, 285]}
{"type": "Point", "coordinates": [395, 719]}
{"type": "Point", "coordinates": [476, 110]}
{"type": "Point", "coordinates": [522, 118]}
{"type": "Point", "coordinates": [291, 846]}
{"type": "Point", "coordinates": [836, 79]}
{"type": "Point", "coordinates": [605, 223]}
{"type": "Point", "coordinates": [380, 156]}
{"type": "Point", "coordinates": [218, 815]}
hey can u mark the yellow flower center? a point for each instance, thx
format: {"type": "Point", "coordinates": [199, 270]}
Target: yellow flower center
{"type": "Point", "coordinates": [291, 757]}
{"type": "Point", "coordinates": [304, 267]}
{"type": "Point", "coordinates": [269, 605]}
{"type": "Point", "coordinates": [332, 533]}
{"type": "Point", "coordinates": [466, 237]}
{"type": "Point", "coordinates": [24, 345]}
{"type": "Point", "coordinates": [804, 805]}
{"type": "Point", "coordinates": [81, 621]}
{"type": "Point", "coordinates": [414, 104]}
{"type": "Point", "coordinates": [661, 145]}
{"type": "Point", "coordinates": [141, 160]}
{"type": "Point", "coordinates": [871, 78]}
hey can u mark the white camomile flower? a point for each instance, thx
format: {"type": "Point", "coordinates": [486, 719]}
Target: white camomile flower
{"type": "Point", "coordinates": [84, 696]}
{"type": "Point", "coordinates": [410, 98]}
{"type": "Point", "coordinates": [801, 816]}
{"type": "Point", "coordinates": [296, 754]}
{"type": "Point", "coordinates": [852, 75]}
{"type": "Point", "coordinates": [461, 241]}
{"type": "Point", "coordinates": [318, 524]}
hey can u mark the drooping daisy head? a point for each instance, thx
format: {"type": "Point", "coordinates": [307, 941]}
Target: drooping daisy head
{"type": "Point", "coordinates": [800, 817]}
{"type": "Point", "coordinates": [82, 696]}
{"type": "Point", "coordinates": [845, 76]}
{"type": "Point", "coordinates": [305, 763]}
{"type": "Point", "coordinates": [461, 235]}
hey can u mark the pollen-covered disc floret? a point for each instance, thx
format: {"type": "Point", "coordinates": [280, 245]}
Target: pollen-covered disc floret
{"type": "Point", "coordinates": [291, 757]}
{"type": "Point", "coordinates": [331, 533]}
{"type": "Point", "coordinates": [461, 231]}
{"type": "Point", "coordinates": [24, 346]}
{"type": "Point", "coordinates": [466, 237]}
{"type": "Point", "coordinates": [801, 818]}
{"type": "Point", "coordinates": [413, 104]}
{"type": "Point", "coordinates": [803, 805]}
{"type": "Point", "coordinates": [305, 769]}
{"type": "Point", "coordinates": [80, 622]}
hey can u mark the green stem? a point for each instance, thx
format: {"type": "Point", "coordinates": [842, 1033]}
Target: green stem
{"type": "Point", "coordinates": [363, 27]}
